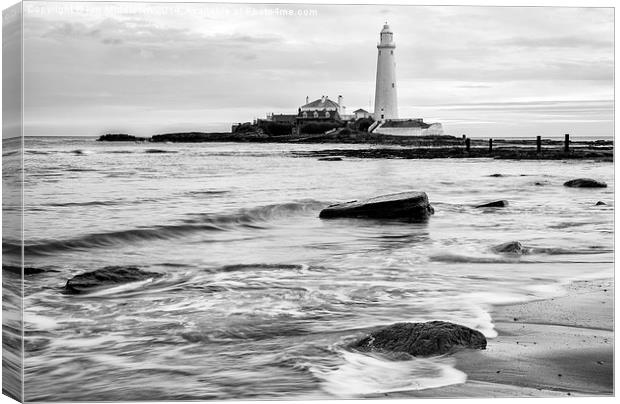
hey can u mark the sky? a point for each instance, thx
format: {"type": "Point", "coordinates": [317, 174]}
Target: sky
{"type": "Point", "coordinates": [148, 68]}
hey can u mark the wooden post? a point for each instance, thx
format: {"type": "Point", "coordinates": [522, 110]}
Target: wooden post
{"type": "Point", "coordinates": [566, 142]}
{"type": "Point", "coordinates": [467, 144]}
{"type": "Point", "coordinates": [538, 144]}
{"type": "Point", "coordinates": [490, 145]}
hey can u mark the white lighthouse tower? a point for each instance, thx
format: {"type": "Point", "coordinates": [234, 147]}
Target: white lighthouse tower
{"type": "Point", "coordinates": [386, 105]}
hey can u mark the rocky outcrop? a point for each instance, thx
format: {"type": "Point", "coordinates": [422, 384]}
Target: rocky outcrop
{"type": "Point", "coordinates": [511, 247]}
{"type": "Point", "coordinates": [120, 137]}
{"type": "Point", "coordinates": [422, 339]}
{"type": "Point", "coordinates": [106, 277]}
{"type": "Point", "coordinates": [585, 183]}
{"type": "Point", "coordinates": [599, 203]}
{"type": "Point", "coordinates": [495, 204]}
{"type": "Point", "coordinates": [198, 137]}
{"type": "Point", "coordinates": [404, 205]}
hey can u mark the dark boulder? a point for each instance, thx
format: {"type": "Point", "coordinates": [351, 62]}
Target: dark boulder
{"type": "Point", "coordinates": [585, 183]}
{"type": "Point", "coordinates": [511, 247]}
{"type": "Point", "coordinates": [106, 277]}
{"type": "Point", "coordinates": [497, 175]}
{"type": "Point", "coordinates": [495, 204]}
{"type": "Point", "coordinates": [422, 339]}
{"type": "Point", "coordinates": [599, 203]}
{"type": "Point", "coordinates": [404, 205]}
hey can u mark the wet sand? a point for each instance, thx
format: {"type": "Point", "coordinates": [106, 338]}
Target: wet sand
{"type": "Point", "coordinates": [556, 347]}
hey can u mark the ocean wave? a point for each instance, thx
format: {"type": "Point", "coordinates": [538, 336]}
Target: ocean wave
{"type": "Point", "coordinates": [208, 192]}
{"type": "Point", "coordinates": [250, 267]}
{"type": "Point", "coordinates": [527, 256]}
{"type": "Point", "coordinates": [469, 259]}
{"type": "Point", "coordinates": [89, 203]}
{"type": "Point", "coordinates": [157, 151]}
{"type": "Point", "coordinates": [81, 152]}
{"type": "Point", "coordinates": [253, 218]}
{"type": "Point", "coordinates": [362, 375]}
{"type": "Point", "coordinates": [567, 251]}
{"type": "Point", "coordinates": [35, 152]}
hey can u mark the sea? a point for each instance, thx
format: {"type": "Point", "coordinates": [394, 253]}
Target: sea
{"type": "Point", "coordinates": [259, 298]}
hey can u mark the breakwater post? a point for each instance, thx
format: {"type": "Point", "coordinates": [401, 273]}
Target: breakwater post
{"type": "Point", "coordinates": [490, 145]}
{"type": "Point", "coordinates": [566, 142]}
{"type": "Point", "coordinates": [467, 144]}
{"type": "Point", "coordinates": [538, 144]}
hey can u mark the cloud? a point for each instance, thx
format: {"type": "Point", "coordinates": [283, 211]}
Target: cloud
{"type": "Point", "coordinates": [112, 41]}
{"type": "Point", "coordinates": [558, 42]}
{"type": "Point", "coordinates": [201, 67]}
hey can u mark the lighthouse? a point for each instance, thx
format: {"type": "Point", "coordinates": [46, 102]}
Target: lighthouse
{"type": "Point", "coordinates": [386, 106]}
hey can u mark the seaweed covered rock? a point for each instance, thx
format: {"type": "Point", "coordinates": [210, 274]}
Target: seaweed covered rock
{"type": "Point", "coordinates": [422, 339]}
{"type": "Point", "coordinates": [404, 205]}
{"type": "Point", "coordinates": [585, 183]}
{"type": "Point", "coordinates": [106, 277]}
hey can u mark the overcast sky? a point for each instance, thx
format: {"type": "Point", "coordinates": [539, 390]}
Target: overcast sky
{"type": "Point", "coordinates": [94, 68]}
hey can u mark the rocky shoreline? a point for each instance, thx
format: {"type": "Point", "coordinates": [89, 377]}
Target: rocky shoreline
{"type": "Point", "coordinates": [506, 153]}
{"type": "Point", "coordinates": [423, 147]}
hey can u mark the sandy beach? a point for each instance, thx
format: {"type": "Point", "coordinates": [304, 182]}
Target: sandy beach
{"type": "Point", "coordinates": [548, 348]}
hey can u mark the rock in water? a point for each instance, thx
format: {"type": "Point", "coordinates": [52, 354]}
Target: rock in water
{"type": "Point", "coordinates": [585, 183]}
{"type": "Point", "coordinates": [422, 339]}
{"type": "Point", "coordinates": [330, 159]}
{"type": "Point", "coordinates": [511, 247]}
{"type": "Point", "coordinates": [496, 204]}
{"type": "Point", "coordinates": [404, 205]}
{"type": "Point", "coordinates": [600, 203]}
{"type": "Point", "coordinates": [106, 277]}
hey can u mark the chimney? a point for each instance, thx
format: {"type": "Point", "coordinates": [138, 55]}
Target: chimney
{"type": "Point", "coordinates": [323, 98]}
{"type": "Point", "coordinates": [340, 100]}
{"type": "Point", "coordinates": [307, 99]}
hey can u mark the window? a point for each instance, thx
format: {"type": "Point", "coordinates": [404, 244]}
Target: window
{"type": "Point", "coordinates": [316, 114]}
{"type": "Point", "coordinates": [379, 52]}
{"type": "Point", "coordinates": [327, 115]}
{"type": "Point", "coordinates": [305, 114]}
{"type": "Point", "coordinates": [392, 85]}
{"type": "Point", "coordinates": [391, 52]}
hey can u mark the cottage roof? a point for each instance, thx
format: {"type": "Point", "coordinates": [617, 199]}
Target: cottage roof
{"type": "Point", "coordinates": [360, 110]}
{"type": "Point", "coordinates": [321, 103]}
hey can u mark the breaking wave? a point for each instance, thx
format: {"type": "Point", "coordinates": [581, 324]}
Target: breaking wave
{"type": "Point", "coordinates": [253, 218]}
{"type": "Point", "coordinates": [371, 374]}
